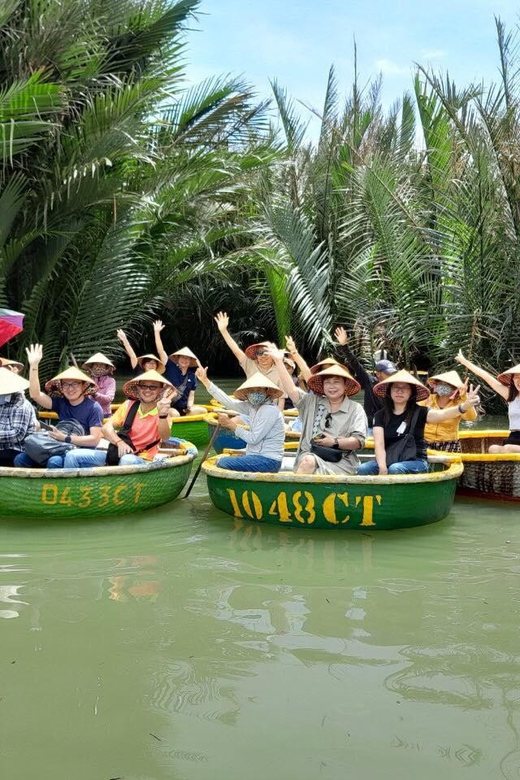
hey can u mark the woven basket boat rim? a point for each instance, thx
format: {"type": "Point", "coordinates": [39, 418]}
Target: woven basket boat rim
{"type": "Point", "coordinates": [98, 471]}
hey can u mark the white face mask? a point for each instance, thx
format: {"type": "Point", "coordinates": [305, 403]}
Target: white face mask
{"type": "Point", "coordinates": [5, 399]}
{"type": "Point", "coordinates": [443, 390]}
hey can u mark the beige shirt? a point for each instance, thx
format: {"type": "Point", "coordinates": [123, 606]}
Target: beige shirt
{"type": "Point", "coordinates": [250, 367]}
{"type": "Point", "coordinates": [349, 420]}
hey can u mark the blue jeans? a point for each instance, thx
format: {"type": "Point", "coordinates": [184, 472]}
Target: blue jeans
{"type": "Point", "coordinates": [405, 467]}
{"type": "Point", "coordinates": [249, 463]}
{"type": "Point", "coordinates": [83, 458]}
{"type": "Point", "coordinates": [25, 462]}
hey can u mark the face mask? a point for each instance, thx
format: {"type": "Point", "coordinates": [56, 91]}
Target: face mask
{"type": "Point", "coordinates": [256, 397]}
{"type": "Point", "coordinates": [99, 370]}
{"type": "Point", "coordinates": [5, 399]}
{"type": "Point", "coordinates": [443, 390]}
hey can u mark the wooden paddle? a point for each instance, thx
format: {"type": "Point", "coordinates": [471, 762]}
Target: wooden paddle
{"type": "Point", "coordinates": [204, 456]}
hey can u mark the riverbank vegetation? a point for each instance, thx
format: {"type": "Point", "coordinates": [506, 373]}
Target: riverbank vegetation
{"type": "Point", "coordinates": [126, 193]}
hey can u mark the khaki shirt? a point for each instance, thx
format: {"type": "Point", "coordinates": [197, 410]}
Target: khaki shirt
{"type": "Point", "coordinates": [349, 420]}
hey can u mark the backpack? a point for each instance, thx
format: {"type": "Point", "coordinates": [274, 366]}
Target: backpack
{"type": "Point", "coordinates": [124, 434]}
{"type": "Point", "coordinates": [40, 446]}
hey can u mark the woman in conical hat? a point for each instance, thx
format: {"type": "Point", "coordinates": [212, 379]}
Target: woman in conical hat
{"type": "Point", "coordinates": [507, 385]}
{"type": "Point", "coordinates": [254, 358]}
{"type": "Point", "coordinates": [333, 426]}
{"type": "Point", "coordinates": [17, 417]}
{"type": "Point", "coordinates": [399, 442]}
{"type": "Point", "coordinates": [12, 365]}
{"type": "Point", "coordinates": [265, 437]}
{"type": "Point", "coordinates": [100, 369]}
{"type": "Point", "coordinates": [180, 371]}
{"type": "Point", "coordinates": [146, 419]}
{"type": "Point", "coordinates": [448, 390]}
{"type": "Point", "coordinates": [148, 362]}
{"type": "Point", "coordinates": [69, 395]}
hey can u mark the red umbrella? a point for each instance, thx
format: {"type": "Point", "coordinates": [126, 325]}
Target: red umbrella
{"type": "Point", "coordinates": [11, 324]}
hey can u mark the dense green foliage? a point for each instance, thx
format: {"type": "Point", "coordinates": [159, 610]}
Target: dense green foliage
{"type": "Point", "coordinates": [124, 194]}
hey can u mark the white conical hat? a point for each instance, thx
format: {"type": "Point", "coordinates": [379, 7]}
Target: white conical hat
{"type": "Point", "coordinates": [4, 362]}
{"type": "Point", "coordinates": [449, 377]}
{"type": "Point", "coordinates": [329, 361]}
{"type": "Point", "coordinates": [257, 382]}
{"type": "Point", "coordinates": [130, 387]}
{"type": "Point", "coordinates": [11, 383]}
{"type": "Point", "coordinates": [315, 382]}
{"type": "Point", "coordinates": [506, 376]}
{"type": "Point", "coordinates": [54, 386]}
{"type": "Point", "coordinates": [185, 352]}
{"type": "Point", "coordinates": [98, 358]}
{"type": "Point", "coordinates": [403, 376]}
{"type": "Point", "coordinates": [150, 356]}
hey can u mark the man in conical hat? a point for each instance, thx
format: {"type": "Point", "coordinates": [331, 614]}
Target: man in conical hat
{"type": "Point", "coordinates": [17, 417]}
{"type": "Point", "coordinates": [382, 369]}
{"type": "Point", "coordinates": [254, 358]}
{"type": "Point", "coordinates": [100, 368]}
{"type": "Point", "coordinates": [333, 426]}
{"type": "Point", "coordinates": [265, 436]}
{"type": "Point", "coordinates": [448, 390]}
{"type": "Point", "coordinates": [136, 429]}
{"type": "Point", "coordinates": [180, 371]}
{"type": "Point", "coordinates": [69, 394]}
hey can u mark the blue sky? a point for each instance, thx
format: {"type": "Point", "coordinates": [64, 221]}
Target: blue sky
{"type": "Point", "coordinates": [296, 41]}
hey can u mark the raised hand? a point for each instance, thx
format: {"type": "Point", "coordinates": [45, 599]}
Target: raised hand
{"type": "Point", "coordinates": [274, 353]}
{"type": "Point", "coordinates": [163, 405]}
{"type": "Point", "coordinates": [158, 326]}
{"type": "Point", "coordinates": [202, 375]}
{"type": "Point", "coordinates": [472, 398]}
{"type": "Point", "coordinates": [222, 321]}
{"type": "Point", "coordinates": [34, 354]}
{"type": "Point", "coordinates": [459, 357]}
{"type": "Point", "coordinates": [340, 334]}
{"type": "Point", "coordinates": [121, 335]}
{"type": "Point", "coordinates": [291, 346]}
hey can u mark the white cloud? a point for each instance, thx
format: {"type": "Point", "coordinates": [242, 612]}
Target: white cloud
{"type": "Point", "coordinates": [389, 68]}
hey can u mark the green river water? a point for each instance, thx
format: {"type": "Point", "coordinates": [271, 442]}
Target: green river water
{"type": "Point", "coordinates": [180, 644]}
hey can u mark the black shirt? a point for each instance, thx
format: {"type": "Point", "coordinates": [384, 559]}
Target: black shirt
{"type": "Point", "coordinates": [396, 420]}
{"type": "Point", "coordinates": [371, 403]}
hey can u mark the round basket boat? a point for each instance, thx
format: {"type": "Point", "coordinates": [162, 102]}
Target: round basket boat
{"type": "Point", "coordinates": [485, 475]}
{"type": "Point", "coordinates": [225, 439]}
{"type": "Point", "coordinates": [307, 501]}
{"type": "Point", "coordinates": [95, 492]}
{"type": "Point", "coordinates": [192, 427]}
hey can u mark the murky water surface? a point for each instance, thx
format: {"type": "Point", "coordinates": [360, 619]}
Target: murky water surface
{"type": "Point", "coordinates": [181, 645]}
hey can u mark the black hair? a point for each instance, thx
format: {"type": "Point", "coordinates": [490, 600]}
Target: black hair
{"type": "Point", "coordinates": [513, 392]}
{"type": "Point", "coordinates": [388, 404]}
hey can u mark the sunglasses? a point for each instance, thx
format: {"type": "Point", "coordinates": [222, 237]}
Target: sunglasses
{"type": "Point", "coordinates": [261, 352]}
{"type": "Point", "coordinates": [149, 387]}
{"type": "Point", "coordinates": [70, 385]}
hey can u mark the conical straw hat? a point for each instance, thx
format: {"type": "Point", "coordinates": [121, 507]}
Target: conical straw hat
{"type": "Point", "coordinates": [4, 362]}
{"type": "Point", "coordinates": [257, 382]}
{"type": "Point", "coordinates": [315, 382]}
{"type": "Point", "coordinates": [325, 364]}
{"type": "Point", "coordinates": [11, 383]}
{"type": "Point", "coordinates": [98, 358]}
{"type": "Point", "coordinates": [506, 377]}
{"type": "Point", "coordinates": [185, 352]}
{"type": "Point", "coordinates": [402, 376]}
{"type": "Point", "coordinates": [289, 361]}
{"type": "Point", "coordinates": [130, 388]}
{"type": "Point", "coordinates": [253, 348]}
{"type": "Point", "coordinates": [53, 386]}
{"type": "Point", "coordinates": [449, 377]}
{"type": "Point", "coordinates": [160, 365]}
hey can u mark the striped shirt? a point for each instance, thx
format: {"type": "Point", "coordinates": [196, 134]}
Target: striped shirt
{"type": "Point", "coordinates": [17, 420]}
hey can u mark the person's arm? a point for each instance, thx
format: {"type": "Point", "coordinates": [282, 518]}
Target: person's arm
{"type": "Point", "coordinates": [110, 434]}
{"type": "Point", "coordinates": [222, 321]}
{"type": "Point", "coordinates": [191, 399]}
{"type": "Point", "coordinates": [89, 440]}
{"type": "Point", "coordinates": [161, 352]}
{"type": "Point", "coordinates": [264, 421]}
{"type": "Point", "coordinates": [380, 451]}
{"type": "Point", "coordinates": [287, 383]}
{"type": "Point", "coordinates": [237, 406]}
{"type": "Point", "coordinates": [165, 413]}
{"type": "Point", "coordinates": [440, 415]}
{"type": "Point", "coordinates": [305, 371]}
{"type": "Point", "coordinates": [34, 356]}
{"type": "Point", "coordinates": [491, 380]}
{"type": "Point", "coordinates": [123, 338]}
{"type": "Point", "coordinates": [347, 356]}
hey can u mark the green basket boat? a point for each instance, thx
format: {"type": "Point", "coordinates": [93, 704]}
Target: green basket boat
{"type": "Point", "coordinates": [303, 501]}
{"type": "Point", "coordinates": [95, 492]}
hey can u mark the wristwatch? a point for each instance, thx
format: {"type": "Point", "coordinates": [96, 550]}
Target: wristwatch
{"type": "Point", "coordinates": [68, 439]}
{"type": "Point", "coordinates": [163, 416]}
{"type": "Point", "coordinates": [335, 446]}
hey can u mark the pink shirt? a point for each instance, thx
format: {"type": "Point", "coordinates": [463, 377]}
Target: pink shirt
{"type": "Point", "coordinates": [106, 390]}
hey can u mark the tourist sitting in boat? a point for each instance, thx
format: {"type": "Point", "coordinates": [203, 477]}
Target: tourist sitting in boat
{"type": "Point", "coordinates": [11, 365]}
{"type": "Point", "coordinates": [399, 443]}
{"type": "Point", "coordinates": [447, 391]}
{"type": "Point", "coordinates": [265, 436]}
{"type": "Point", "coordinates": [136, 429]}
{"type": "Point", "coordinates": [180, 371]}
{"type": "Point", "coordinates": [148, 362]}
{"type": "Point", "coordinates": [507, 385]}
{"type": "Point", "coordinates": [254, 359]}
{"type": "Point", "coordinates": [333, 426]}
{"type": "Point", "coordinates": [17, 417]}
{"type": "Point", "coordinates": [382, 369]}
{"type": "Point", "coordinates": [100, 369]}
{"type": "Point", "coordinates": [69, 395]}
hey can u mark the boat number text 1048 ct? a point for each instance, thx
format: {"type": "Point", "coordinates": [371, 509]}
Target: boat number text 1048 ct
{"type": "Point", "coordinates": [84, 496]}
{"type": "Point", "coordinates": [301, 507]}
